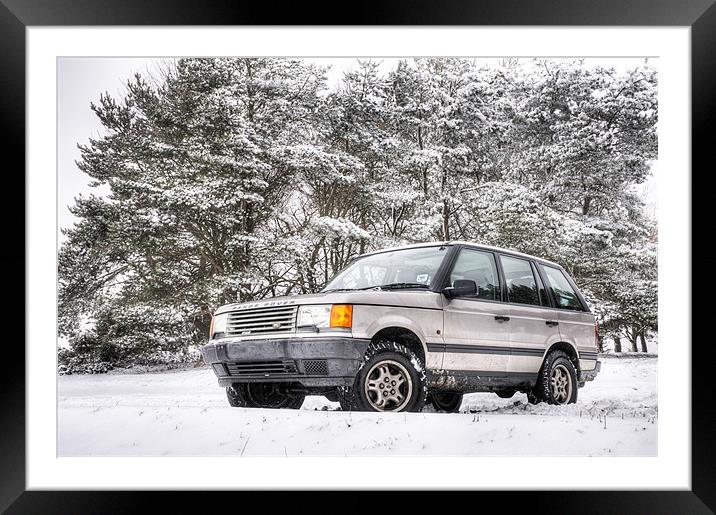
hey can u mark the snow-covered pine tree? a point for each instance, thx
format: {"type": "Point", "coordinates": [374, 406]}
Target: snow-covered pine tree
{"type": "Point", "coordinates": [195, 161]}
{"type": "Point", "coordinates": [328, 220]}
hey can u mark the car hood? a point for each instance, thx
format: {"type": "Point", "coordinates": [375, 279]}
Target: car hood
{"type": "Point", "coordinates": [401, 298]}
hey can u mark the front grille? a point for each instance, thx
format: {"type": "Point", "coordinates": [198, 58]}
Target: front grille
{"type": "Point", "coordinates": [261, 368]}
{"type": "Point", "coordinates": [315, 367]}
{"type": "Point", "coordinates": [265, 320]}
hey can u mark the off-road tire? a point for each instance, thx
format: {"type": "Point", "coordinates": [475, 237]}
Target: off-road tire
{"type": "Point", "coordinates": [543, 391]}
{"type": "Point", "coordinates": [447, 402]}
{"type": "Point", "coordinates": [399, 362]}
{"type": "Point", "coordinates": [241, 396]}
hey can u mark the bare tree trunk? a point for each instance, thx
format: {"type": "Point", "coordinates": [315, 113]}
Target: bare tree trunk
{"type": "Point", "coordinates": [587, 203]}
{"type": "Point", "coordinates": [632, 340]}
{"type": "Point", "coordinates": [617, 344]}
{"type": "Point", "coordinates": [642, 339]}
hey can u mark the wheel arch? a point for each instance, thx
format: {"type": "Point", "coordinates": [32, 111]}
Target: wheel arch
{"type": "Point", "coordinates": [568, 349]}
{"type": "Point", "coordinates": [404, 336]}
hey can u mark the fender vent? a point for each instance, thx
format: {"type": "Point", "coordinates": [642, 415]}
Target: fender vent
{"type": "Point", "coordinates": [315, 367]}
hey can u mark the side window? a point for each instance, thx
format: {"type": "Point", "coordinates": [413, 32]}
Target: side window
{"type": "Point", "coordinates": [479, 267]}
{"type": "Point", "coordinates": [521, 283]}
{"type": "Point", "coordinates": [564, 295]}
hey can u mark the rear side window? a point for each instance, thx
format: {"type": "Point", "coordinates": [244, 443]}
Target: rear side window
{"type": "Point", "coordinates": [479, 267]}
{"type": "Point", "coordinates": [564, 295]}
{"type": "Point", "coordinates": [521, 283]}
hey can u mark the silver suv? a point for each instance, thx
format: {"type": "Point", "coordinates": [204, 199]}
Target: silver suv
{"type": "Point", "coordinates": [401, 327]}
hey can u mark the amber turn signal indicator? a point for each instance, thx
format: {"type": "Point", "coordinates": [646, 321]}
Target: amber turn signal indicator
{"type": "Point", "coordinates": [342, 315]}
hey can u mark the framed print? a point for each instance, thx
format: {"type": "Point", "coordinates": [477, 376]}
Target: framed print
{"type": "Point", "coordinates": [440, 242]}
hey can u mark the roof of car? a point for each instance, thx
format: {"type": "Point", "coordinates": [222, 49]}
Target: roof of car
{"type": "Point", "coordinates": [467, 243]}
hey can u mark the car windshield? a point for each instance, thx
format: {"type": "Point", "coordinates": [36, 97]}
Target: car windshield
{"type": "Point", "coordinates": [406, 268]}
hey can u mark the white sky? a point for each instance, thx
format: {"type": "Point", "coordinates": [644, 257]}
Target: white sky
{"type": "Point", "coordinates": [81, 80]}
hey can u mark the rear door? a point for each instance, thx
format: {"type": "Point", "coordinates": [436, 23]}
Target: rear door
{"type": "Point", "coordinates": [576, 323]}
{"type": "Point", "coordinates": [476, 329]}
{"type": "Point", "coordinates": [534, 324]}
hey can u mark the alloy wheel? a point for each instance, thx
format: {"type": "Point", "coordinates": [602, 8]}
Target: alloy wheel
{"type": "Point", "coordinates": [561, 384]}
{"type": "Point", "coordinates": [388, 386]}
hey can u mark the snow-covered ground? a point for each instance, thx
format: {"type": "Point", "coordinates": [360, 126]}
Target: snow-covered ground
{"type": "Point", "coordinates": [185, 413]}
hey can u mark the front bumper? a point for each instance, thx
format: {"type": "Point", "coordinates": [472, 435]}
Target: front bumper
{"type": "Point", "coordinates": [311, 362]}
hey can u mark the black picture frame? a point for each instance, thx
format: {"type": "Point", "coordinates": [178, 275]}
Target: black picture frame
{"type": "Point", "coordinates": [16, 15]}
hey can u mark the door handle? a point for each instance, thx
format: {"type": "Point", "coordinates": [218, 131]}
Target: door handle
{"type": "Point", "coordinates": [552, 323]}
{"type": "Point", "coordinates": [501, 318]}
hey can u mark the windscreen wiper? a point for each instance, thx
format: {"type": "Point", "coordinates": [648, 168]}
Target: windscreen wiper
{"type": "Point", "coordinates": [348, 289]}
{"type": "Point", "coordinates": [398, 286]}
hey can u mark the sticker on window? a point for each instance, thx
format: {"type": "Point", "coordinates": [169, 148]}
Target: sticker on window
{"type": "Point", "coordinates": [422, 278]}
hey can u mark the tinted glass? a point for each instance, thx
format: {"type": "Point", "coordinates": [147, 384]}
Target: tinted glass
{"type": "Point", "coordinates": [521, 284]}
{"type": "Point", "coordinates": [564, 294]}
{"type": "Point", "coordinates": [418, 265]}
{"type": "Point", "coordinates": [479, 267]}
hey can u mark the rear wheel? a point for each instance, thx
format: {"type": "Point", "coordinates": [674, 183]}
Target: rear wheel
{"type": "Point", "coordinates": [557, 381]}
{"type": "Point", "coordinates": [448, 402]}
{"type": "Point", "coordinates": [391, 378]}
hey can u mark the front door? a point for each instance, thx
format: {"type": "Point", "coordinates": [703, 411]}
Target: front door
{"type": "Point", "coordinates": [476, 328]}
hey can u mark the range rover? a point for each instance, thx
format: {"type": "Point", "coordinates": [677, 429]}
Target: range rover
{"type": "Point", "coordinates": [403, 327]}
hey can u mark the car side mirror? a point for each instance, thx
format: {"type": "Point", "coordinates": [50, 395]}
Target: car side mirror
{"type": "Point", "coordinates": [461, 288]}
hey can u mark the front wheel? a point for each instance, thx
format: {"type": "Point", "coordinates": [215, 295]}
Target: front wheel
{"type": "Point", "coordinates": [391, 378]}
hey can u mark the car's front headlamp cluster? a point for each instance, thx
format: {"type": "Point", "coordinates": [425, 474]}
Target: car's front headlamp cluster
{"type": "Point", "coordinates": [318, 315]}
{"type": "Point", "coordinates": [324, 316]}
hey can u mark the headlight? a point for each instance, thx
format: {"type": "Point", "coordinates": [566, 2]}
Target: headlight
{"type": "Point", "coordinates": [218, 326]}
{"type": "Point", "coordinates": [323, 316]}
{"type": "Point", "coordinates": [318, 315]}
